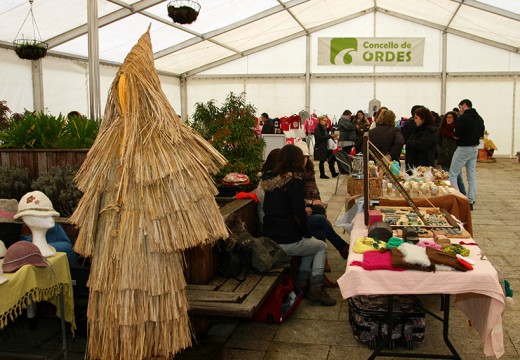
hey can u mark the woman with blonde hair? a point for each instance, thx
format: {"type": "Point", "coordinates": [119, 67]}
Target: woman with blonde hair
{"type": "Point", "coordinates": [386, 136]}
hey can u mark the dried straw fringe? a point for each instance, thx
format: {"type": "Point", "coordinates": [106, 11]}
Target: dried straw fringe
{"type": "Point", "coordinates": [148, 194]}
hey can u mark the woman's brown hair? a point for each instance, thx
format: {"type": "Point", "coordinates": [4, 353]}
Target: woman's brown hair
{"type": "Point", "coordinates": [290, 160]}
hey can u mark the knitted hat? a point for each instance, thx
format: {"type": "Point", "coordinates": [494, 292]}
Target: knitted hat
{"type": "Point", "coordinates": [35, 203]}
{"type": "Point", "coordinates": [303, 147]}
{"type": "Point", "coordinates": [365, 244]}
{"type": "Point", "coordinates": [22, 253]}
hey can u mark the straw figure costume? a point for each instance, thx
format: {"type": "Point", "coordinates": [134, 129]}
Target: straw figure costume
{"type": "Point", "coordinates": [148, 195]}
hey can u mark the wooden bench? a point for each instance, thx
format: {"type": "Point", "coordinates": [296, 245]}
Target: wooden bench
{"type": "Point", "coordinates": [213, 295]}
{"type": "Point", "coordinates": [230, 297]}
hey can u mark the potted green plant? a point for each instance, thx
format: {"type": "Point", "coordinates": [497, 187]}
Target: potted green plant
{"type": "Point", "coordinates": [41, 141]}
{"type": "Point", "coordinates": [37, 130]}
{"type": "Point", "coordinates": [229, 129]}
{"type": "Point", "coordinates": [183, 11]}
{"type": "Point", "coordinates": [30, 49]}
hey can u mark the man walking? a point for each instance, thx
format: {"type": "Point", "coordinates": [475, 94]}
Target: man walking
{"type": "Point", "coordinates": [469, 130]}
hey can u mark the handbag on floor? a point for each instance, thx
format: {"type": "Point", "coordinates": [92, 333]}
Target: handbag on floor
{"type": "Point", "coordinates": [368, 319]}
{"type": "Point", "coordinates": [281, 302]}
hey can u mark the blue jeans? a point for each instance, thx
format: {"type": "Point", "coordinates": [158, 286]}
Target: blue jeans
{"type": "Point", "coordinates": [460, 181]}
{"type": "Point", "coordinates": [312, 251]}
{"type": "Point", "coordinates": [321, 229]}
{"type": "Point", "coordinates": [465, 156]}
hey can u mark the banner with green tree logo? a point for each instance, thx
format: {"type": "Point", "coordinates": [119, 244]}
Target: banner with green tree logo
{"type": "Point", "coordinates": [371, 51]}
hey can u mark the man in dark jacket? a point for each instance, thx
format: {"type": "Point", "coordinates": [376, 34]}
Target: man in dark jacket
{"type": "Point", "coordinates": [468, 132]}
{"type": "Point", "coordinates": [268, 127]}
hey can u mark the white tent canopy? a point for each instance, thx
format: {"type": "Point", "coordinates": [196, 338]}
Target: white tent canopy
{"type": "Point", "coordinates": [268, 48]}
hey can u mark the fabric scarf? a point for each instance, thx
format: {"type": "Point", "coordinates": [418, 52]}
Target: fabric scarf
{"type": "Point", "coordinates": [448, 130]}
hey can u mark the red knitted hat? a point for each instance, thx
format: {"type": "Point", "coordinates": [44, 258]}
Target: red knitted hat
{"type": "Point", "coordinates": [22, 253]}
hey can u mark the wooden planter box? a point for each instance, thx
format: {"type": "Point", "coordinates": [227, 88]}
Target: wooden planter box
{"type": "Point", "coordinates": [40, 161]}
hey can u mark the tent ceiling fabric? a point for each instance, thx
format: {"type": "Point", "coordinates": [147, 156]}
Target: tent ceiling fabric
{"type": "Point", "coordinates": [228, 29]}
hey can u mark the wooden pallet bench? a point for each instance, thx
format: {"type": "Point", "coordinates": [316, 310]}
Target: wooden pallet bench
{"type": "Point", "coordinates": [230, 297]}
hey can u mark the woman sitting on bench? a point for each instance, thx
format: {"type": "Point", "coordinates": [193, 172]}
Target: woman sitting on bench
{"type": "Point", "coordinates": [285, 221]}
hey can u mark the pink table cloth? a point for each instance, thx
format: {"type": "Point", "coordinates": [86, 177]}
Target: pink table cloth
{"type": "Point", "coordinates": [478, 292]}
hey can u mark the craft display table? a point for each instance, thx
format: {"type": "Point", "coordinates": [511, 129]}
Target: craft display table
{"type": "Point", "coordinates": [478, 292]}
{"type": "Point", "coordinates": [455, 203]}
{"type": "Point", "coordinates": [52, 284]}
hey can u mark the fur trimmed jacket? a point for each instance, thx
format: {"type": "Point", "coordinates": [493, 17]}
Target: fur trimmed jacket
{"type": "Point", "coordinates": [285, 219]}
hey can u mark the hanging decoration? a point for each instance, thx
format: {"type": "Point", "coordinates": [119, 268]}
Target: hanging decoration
{"type": "Point", "coordinates": [183, 11]}
{"type": "Point", "coordinates": [148, 194]}
{"type": "Point", "coordinates": [30, 48]}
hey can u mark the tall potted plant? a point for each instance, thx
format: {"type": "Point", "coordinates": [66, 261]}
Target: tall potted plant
{"type": "Point", "coordinates": [229, 128]}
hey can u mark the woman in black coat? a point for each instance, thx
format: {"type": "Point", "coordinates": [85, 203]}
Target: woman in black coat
{"type": "Point", "coordinates": [321, 152]}
{"type": "Point", "coordinates": [420, 146]}
{"type": "Point", "coordinates": [386, 137]}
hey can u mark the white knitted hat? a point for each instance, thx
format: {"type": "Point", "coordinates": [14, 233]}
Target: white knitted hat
{"type": "Point", "coordinates": [303, 147]}
{"type": "Point", "coordinates": [35, 203]}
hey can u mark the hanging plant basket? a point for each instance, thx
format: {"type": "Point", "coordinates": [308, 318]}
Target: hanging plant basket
{"type": "Point", "coordinates": [29, 49]}
{"type": "Point", "coordinates": [183, 11]}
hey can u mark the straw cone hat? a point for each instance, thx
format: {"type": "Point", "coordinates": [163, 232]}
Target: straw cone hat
{"type": "Point", "coordinates": [148, 195]}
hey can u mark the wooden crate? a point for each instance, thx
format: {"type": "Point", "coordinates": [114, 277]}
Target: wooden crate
{"type": "Point", "coordinates": [375, 186]}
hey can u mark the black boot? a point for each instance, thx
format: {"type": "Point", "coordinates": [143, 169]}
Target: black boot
{"type": "Point", "coordinates": [322, 170]}
{"type": "Point", "coordinates": [332, 168]}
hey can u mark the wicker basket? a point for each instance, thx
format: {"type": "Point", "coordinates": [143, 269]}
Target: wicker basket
{"type": "Point", "coordinates": [356, 186]}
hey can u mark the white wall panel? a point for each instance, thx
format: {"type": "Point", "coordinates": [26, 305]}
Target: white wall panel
{"type": "Point", "coordinates": [400, 94]}
{"type": "Point", "coordinates": [493, 99]}
{"type": "Point", "coordinates": [465, 55]}
{"type": "Point", "coordinates": [277, 97]}
{"type": "Point", "coordinates": [333, 96]}
{"type": "Point", "coordinates": [15, 82]}
{"type": "Point", "coordinates": [107, 75]}
{"type": "Point", "coordinates": [171, 88]}
{"type": "Point", "coordinates": [65, 85]}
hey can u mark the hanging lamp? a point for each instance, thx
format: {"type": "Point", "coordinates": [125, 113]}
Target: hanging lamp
{"type": "Point", "coordinates": [183, 11]}
{"type": "Point", "coordinates": [30, 48]}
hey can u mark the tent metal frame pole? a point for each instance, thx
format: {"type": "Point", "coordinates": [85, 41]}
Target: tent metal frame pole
{"type": "Point", "coordinates": [308, 74]}
{"type": "Point", "coordinates": [93, 64]}
{"type": "Point", "coordinates": [443, 71]}
{"type": "Point", "coordinates": [184, 97]}
{"type": "Point", "coordinates": [513, 123]}
{"type": "Point", "coordinates": [37, 85]}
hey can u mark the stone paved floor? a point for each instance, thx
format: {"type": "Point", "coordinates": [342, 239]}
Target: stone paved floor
{"type": "Point", "coordinates": [323, 333]}
{"type": "Point", "coordinates": [315, 332]}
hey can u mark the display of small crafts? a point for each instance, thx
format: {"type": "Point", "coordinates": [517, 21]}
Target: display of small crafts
{"type": "Point", "coordinates": [425, 187]}
{"type": "Point", "coordinates": [405, 216]}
